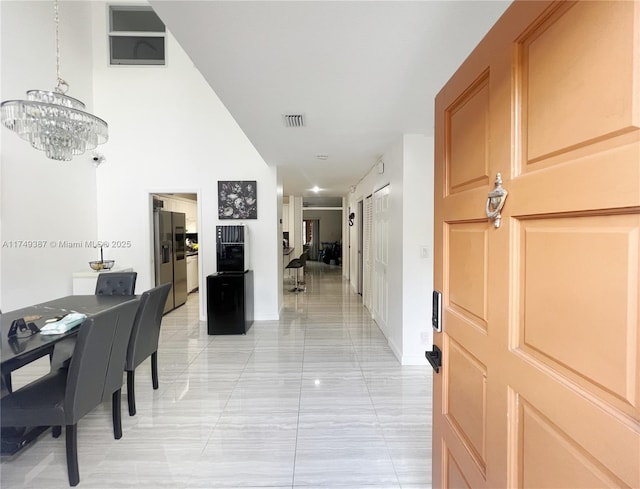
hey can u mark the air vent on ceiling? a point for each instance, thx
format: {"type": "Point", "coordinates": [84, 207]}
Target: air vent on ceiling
{"type": "Point", "coordinates": [293, 120]}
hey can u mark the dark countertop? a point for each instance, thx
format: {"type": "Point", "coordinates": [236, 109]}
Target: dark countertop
{"type": "Point", "coordinates": [192, 253]}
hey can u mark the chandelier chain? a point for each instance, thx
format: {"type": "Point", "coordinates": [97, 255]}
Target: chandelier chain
{"type": "Point", "coordinates": [61, 85]}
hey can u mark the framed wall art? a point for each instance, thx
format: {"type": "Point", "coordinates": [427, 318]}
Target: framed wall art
{"type": "Point", "coordinates": [237, 199]}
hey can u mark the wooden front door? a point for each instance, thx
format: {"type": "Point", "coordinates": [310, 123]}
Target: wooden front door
{"type": "Point", "coordinates": [540, 384]}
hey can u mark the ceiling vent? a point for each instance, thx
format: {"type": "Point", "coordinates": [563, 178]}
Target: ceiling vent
{"type": "Point", "coordinates": [293, 120]}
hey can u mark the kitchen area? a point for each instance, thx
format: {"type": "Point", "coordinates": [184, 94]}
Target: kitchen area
{"type": "Point", "coordinates": [176, 244]}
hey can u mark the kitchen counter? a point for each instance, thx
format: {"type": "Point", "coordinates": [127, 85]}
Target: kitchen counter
{"type": "Point", "coordinates": [192, 272]}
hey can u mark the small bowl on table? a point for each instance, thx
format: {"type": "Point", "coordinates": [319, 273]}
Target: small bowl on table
{"type": "Point", "coordinates": [101, 265]}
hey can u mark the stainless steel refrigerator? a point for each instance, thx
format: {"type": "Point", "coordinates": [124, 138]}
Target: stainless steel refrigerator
{"type": "Point", "coordinates": [170, 256]}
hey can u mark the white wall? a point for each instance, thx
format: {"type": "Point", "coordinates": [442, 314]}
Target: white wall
{"type": "Point", "coordinates": [170, 133]}
{"type": "Point", "coordinates": [346, 258]}
{"type": "Point", "coordinates": [373, 181]}
{"type": "Point", "coordinates": [417, 274]}
{"type": "Point", "coordinates": [295, 225]}
{"type": "Point", "coordinates": [393, 168]}
{"type": "Point", "coordinates": [285, 212]}
{"type": "Point", "coordinates": [44, 200]}
{"type": "Point", "coordinates": [408, 168]}
{"type": "Point", "coordinates": [280, 218]}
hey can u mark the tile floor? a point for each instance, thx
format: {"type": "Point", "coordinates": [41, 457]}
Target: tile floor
{"type": "Point", "coordinates": [314, 400]}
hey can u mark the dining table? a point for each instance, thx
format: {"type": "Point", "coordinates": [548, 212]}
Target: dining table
{"type": "Point", "coordinates": [28, 345]}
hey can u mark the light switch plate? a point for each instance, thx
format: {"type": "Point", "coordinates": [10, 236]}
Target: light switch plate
{"type": "Point", "coordinates": [424, 252]}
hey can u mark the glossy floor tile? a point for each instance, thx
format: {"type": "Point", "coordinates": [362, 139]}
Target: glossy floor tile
{"type": "Point", "coordinates": [314, 400]}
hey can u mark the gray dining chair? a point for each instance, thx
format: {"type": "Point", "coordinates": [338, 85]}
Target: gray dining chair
{"type": "Point", "coordinates": [113, 379]}
{"type": "Point", "coordinates": [144, 338]}
{"type": "Point", "coordinates": [65, 396]}
{"type": "Point", "coordinates": [116, 283]}
{"type": "Point", "coordinates": [5, 380]}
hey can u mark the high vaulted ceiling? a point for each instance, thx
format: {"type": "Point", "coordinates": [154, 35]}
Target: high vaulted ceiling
{"type": "Point", "coordinates": [361, 73]}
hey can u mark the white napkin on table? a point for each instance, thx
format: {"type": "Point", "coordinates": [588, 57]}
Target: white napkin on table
{"type": "Point", "coordinates": [68, 322]}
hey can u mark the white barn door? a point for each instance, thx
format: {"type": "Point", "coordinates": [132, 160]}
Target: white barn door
{"type": "Point", "coordinates": [368, 255]}
{"type": "Point", "coordinates": [380, 257]}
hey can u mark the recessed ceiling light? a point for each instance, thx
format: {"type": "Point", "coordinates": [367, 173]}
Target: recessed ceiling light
{"type": "Point", "coordinates": [315, 189]}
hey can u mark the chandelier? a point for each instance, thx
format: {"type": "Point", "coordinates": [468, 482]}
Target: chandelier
{"type": "Point", "coordinates": [52, 121]}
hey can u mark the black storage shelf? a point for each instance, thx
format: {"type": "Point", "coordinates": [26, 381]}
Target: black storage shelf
{"type": "Point", "coordinates": [229, 302]}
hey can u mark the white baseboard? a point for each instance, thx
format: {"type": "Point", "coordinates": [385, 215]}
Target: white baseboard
{"type": "Point", "coordinates": [395, 350]}
{"type": "Point", "coordinates": [267, 317]}
{"type": "Point", "coordinates": [414, 360]}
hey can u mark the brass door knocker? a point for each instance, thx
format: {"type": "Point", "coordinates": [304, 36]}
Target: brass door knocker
{"type": "Point", "coordinates": [495, 202]}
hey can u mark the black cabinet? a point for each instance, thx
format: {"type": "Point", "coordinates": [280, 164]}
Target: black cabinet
{"type": "Point", "coordinates": [229, 302]}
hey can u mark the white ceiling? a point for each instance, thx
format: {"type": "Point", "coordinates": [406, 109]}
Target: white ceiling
{"type": "Point", "coordinates": [362, 73]}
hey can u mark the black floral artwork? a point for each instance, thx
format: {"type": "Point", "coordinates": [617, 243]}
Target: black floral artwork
{"type": "Point", "coordinates": [237, 199]}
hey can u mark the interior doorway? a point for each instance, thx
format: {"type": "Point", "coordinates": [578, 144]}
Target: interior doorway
{"type": "Point", "coordinates": [311, 234]}
{"type": "Point", "coordinates": [322, 228]}
{"type": "Point", "coordinates": [175, 244]}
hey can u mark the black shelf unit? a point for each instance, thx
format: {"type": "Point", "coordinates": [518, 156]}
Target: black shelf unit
{"type": "Point", "coordinates": [229, 302]}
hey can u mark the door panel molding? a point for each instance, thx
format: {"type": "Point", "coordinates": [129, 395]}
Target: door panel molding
{"type": "Point", "coordinates": [466, 129]}
{"type": "Point", "coordinates": [553, 253]}
{"type": "Point", "coordinates": [544, 312]}
{"type": "Point", "coordinates": [556, 451]}
{"type": "Point", "coordinates": [465, 406]}
{"type": "Point", "coordinates": [467, 280]}
{"type": "Point", "coordinates": [576, 85]}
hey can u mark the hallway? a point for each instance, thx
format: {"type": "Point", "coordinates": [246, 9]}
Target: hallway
{"type": "Point", "coordinates": [314, 400]}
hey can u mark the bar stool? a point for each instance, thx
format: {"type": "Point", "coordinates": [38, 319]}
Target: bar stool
{"type": "Point", "coordinates": [297, 264]}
